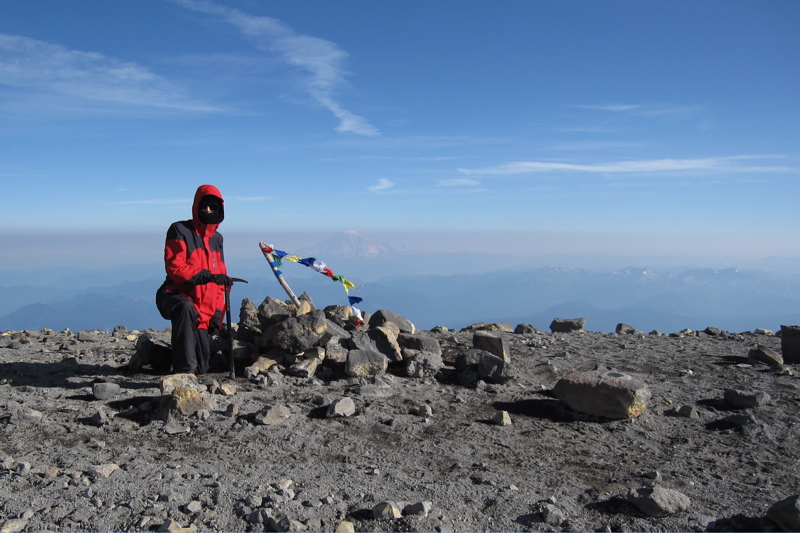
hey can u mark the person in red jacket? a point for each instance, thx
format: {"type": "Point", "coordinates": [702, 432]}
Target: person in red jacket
{"type": "Point", "coordinates": [193, 295]}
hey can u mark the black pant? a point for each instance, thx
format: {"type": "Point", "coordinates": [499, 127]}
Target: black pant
{"type": "Point", "coordinates": [191, 349]}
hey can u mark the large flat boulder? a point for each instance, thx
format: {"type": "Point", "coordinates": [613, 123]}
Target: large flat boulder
{"type": "Point", "coordinates": [615, 395]}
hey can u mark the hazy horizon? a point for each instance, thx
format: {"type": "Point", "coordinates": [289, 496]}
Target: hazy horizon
{"type": "Point", "coordinates": [491, 250]}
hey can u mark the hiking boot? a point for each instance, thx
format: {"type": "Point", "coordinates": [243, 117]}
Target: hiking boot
{"type": "Point", "coordinates": [150, 351]}
{"type": "Point", "coordinates": [138, 359]}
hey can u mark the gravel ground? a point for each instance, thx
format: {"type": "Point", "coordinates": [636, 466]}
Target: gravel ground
{"type": "Point", "coordinates": [72, 462]}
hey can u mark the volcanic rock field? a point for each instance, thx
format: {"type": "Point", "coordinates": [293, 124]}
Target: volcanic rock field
{"type": "Point", "coordinates": [332, 426]}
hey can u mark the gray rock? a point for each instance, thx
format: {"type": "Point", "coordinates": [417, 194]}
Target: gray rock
{"type": "Point", "coordinates": [105, 391]}
{"type": "Point", "coordinates": [625, 329]}
{"type": "Point", "coordinates": [272, 311]}
{"type": "Point", "coordinates": [493, 343]}
{"type": "Point", "coordinates": [526, 329]}
{"type": "Point", "coordinates": [248, 315]}
{"type": "Point", "coordinates": [493, 369]}
{"type": "Point", "coordinates": [567, 325]}
{"type": "Point", "coordinates": [687, 411]}
{"type": "Point", "coordinates": [494, 326]}
{"type": "Point", "coordinates": [383, 316]}
{"type": "Point", "coordinates": [420, 343]}
{"type": "Point", "coordinates": [786, 513]}
{"type": "Point", "coordinates": [765, 355]}
{"type": "Point", "coordinates": [469, 359]}
{"type": "Point", "coordinates": [501, 418]}
{"type": "Point", "coordinates": [613, 395]}
{"type": "Point", "coordinates": [295, 334]}
{"type": "Point", "coordinates": [658, 501]}
{"type": "Point", "coordinates": [272, 415]}
{"type": "Point", "coordinates": [386, 511]}
{"type": "Point", "coordinates": [101, 417]}
{"type": "Point", "coordinates": [422, 364]}
{"type": "Point", "coordinates": [343, 407]}
{"type": "Point", "coordinates": [364, 363]}
{"type": "Point", "coordinates": [192, 507]}
{"type": "Point", "coordinates": [417, 509]}
{"type": "Point", "coordinates": [21, 414]}
{"type": "Point", "coordinates": [379, 339]}
{"type": "Point", "coordinates": [746, 399]}
{"type": "Point", "coordinates": [552, 515]}
{"type": "Point", "coordinates": [339, 314]}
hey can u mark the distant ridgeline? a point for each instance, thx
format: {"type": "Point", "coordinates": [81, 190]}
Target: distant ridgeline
{"type": "Point", "coordinates": [732, 300]}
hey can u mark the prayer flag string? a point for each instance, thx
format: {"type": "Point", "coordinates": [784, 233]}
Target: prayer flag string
{"type": "Point", "coordinates": [322, 268]}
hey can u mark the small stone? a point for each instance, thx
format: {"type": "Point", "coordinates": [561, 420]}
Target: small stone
{"type": "Point", "coordinates": [343, 407]}
{"type": "Point", "coordinates": [765, 355]}
{"type": "Point", "coordinates": [105, 391]}
{"type": "Point", "coordinates": [232, 410]}
{"type": "Point", "coordinates": [272, 415]}
{"type": "Point", "coordinates": [51, 473]}
{"type": "Point", "coordinates": [189, 381]}
{"type": "Point", "coordinates": [501, 418]}
{"type": "Point", "coordinates": [226, 389]}
{"type": "Point", "coordinates": [103, 471]}
{"type": "Point", "coordinates": [345, 527]}
{"type": "Point", "coordinates": [746, 399]}
{"type": "Point", "coordinates": [658, 501]}
{"type": "Point", "coordinates": [687, 411]}
{"type": "Point", "coordinates": [417, 509]}
{"type": "Point", "coordinates": [552, 515]}
{"type": "Point", "coordinates": [13, 525]}
{"type": "Point", "coordinates": [422, 410]}
{"type": "Point", "coordinates": [172, 526]}
{"type": "Point", "coordinates": [101, 417]}
{"type": "Point", "coordinates": [183, 401]}
{"type": "Point", "coordinates": [386, 511]}
{"type": "Point", "coordinates": [193, 506]}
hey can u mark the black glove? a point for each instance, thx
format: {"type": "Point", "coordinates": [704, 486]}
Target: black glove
{"type": "Point", "coordinates": [221, 279]}
{"type": "Point", "coordinates": [214, 323]}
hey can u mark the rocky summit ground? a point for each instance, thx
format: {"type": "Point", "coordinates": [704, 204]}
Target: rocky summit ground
{"type": "Point", "coordinates": [76, 457]}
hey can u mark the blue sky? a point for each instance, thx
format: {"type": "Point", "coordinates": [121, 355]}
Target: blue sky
{"type": "Point", "coordinates": [571, 126]}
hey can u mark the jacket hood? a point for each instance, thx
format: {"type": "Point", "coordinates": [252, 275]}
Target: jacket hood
{"type": "Point", "coordinates": [206, 230]}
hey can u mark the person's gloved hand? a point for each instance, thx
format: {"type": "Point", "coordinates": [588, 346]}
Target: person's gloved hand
{"type": "Point", "coordinates": [221, 279]}
{"type": "Point", "coordinates": [214, 324]}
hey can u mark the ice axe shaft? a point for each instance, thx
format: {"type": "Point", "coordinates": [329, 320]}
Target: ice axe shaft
{"type": "Point", "coordinates": [229, 327]}
{"type": "Point", "coordinates": [267, 251]}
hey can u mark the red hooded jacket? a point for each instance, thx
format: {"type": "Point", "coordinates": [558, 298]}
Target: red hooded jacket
{"type": "Point", "coordinates": [193, 251]}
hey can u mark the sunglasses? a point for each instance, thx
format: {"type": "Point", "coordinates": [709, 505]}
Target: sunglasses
{"type": "Point", "coordinates": [212, 205]}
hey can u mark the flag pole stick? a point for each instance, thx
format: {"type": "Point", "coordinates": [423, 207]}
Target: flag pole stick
{"type": "Point", "coordinates": [267, 251]}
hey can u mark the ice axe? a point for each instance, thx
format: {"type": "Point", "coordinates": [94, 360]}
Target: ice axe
{"type": "Point", "coordinates": [228, 316]}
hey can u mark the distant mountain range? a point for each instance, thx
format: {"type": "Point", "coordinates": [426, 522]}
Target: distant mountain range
{"type": "Point", "coordinates": [731, 299]}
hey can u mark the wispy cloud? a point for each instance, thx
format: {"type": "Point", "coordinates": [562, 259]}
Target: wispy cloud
{"type": "Point", "coordinates": [459, 182]}
{"type": "Point", "coordinates": [161, 201]}
{"type": "Point", "coordinates": [320, 61]}
{"type": "Point", "coordinates": [382, 185]}
{"type": "Point", "coordinates": [644, 110]}
{"type": "Point", "coordinates": [728, 164]}
{"type": "Point", "coordinates": [38, 67]}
